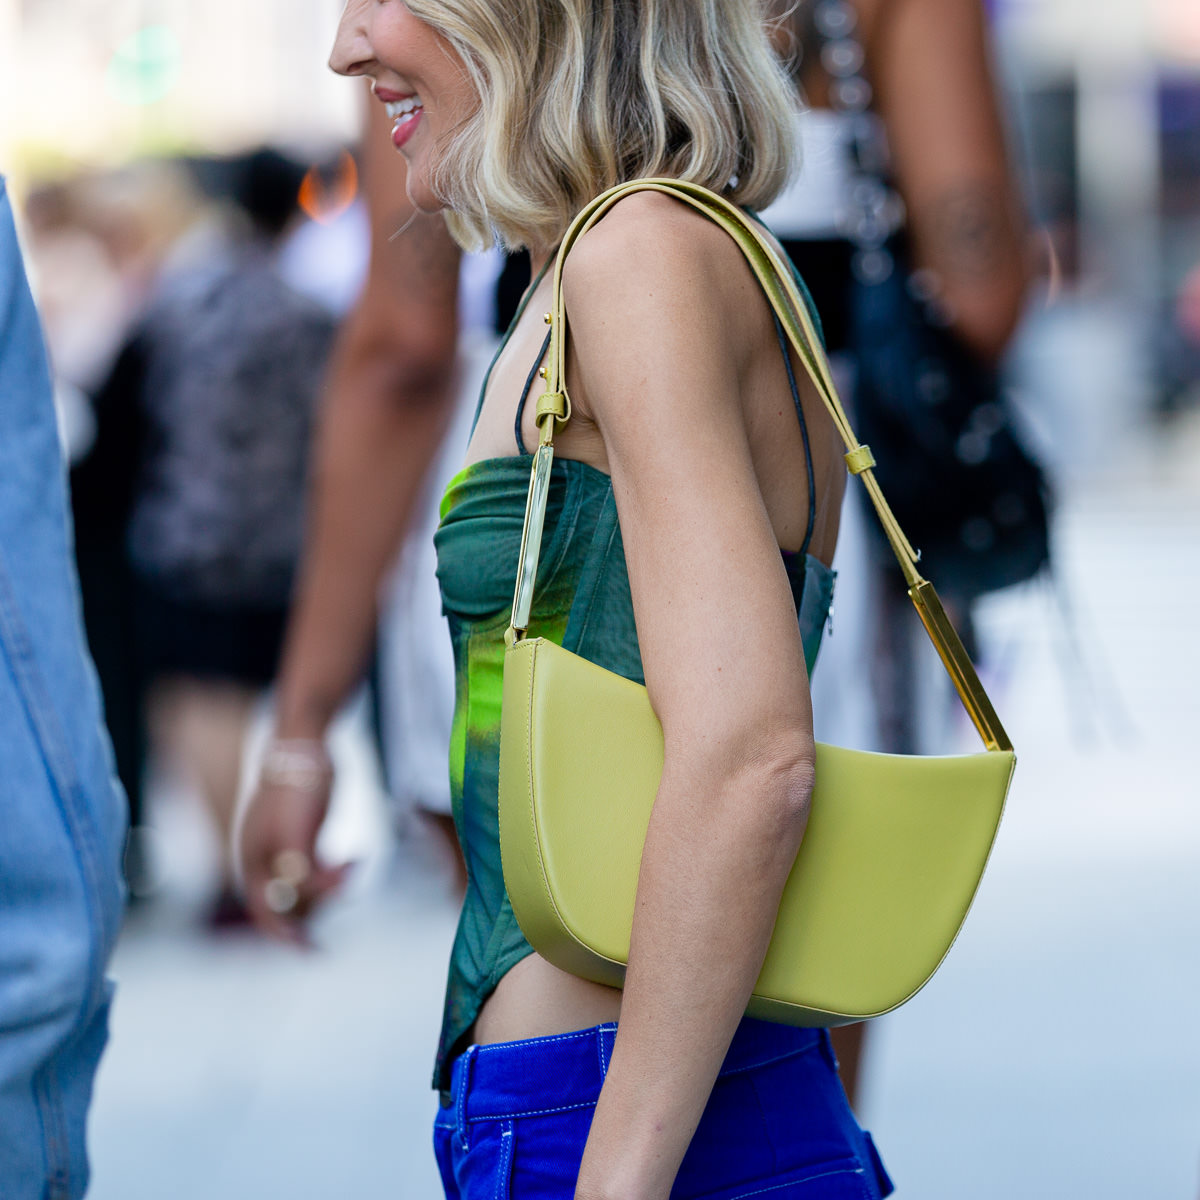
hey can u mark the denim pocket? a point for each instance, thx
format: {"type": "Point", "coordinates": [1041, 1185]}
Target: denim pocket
{"type": "Point", "coordinates": [443, 1150]}
{"type": "Point", "coordinates": [479, 1168]}
{"type": "Point", "coordinates": [882, 1178]}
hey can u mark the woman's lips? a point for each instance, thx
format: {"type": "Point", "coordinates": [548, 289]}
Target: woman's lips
{"type": "Point", "coordinates": [405, 127]}
{"type": "Point", "coordinates": [405, 111]}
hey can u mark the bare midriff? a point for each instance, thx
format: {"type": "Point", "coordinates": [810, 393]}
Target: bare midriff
{"type": "Point", "coordinates": [536, 999]}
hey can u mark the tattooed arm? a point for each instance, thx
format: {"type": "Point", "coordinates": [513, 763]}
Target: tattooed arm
{"type": "Point", "coordinates": [936, 92]}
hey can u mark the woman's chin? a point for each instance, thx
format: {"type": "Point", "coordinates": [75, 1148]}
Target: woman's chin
{"type": "Point", "coordinates": [420, 195]}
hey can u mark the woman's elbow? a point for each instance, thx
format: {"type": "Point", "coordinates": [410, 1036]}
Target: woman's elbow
{"type": "Point", "coordinates": [986, 319]}
{"type": "Point", "coordinates": [986, 334]}
{"type": "Point", "coordinates": [790, 776]}
{"type": "Point", "coordinates": [769, 787]}
{"type": "Point", "coordinates": [412, 370]}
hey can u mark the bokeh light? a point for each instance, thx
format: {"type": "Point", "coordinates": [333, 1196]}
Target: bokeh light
{"type": "Point", "coordinates": [326, 194]}
{"type": "Point", "coordinates": [145, 66]}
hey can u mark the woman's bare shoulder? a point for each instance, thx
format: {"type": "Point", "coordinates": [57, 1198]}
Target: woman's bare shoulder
{"type": "Point", "coordinates": [653, 244]}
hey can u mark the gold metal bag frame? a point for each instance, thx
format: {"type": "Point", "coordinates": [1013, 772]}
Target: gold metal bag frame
{"type": "Point", "coordinates": [895, 845]}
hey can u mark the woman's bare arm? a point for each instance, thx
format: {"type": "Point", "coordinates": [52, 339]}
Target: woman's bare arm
{"type": "Point", "coordinates": [659, 302]}
{"type": "Point", "coordinates": [387, 402]}
{"type": "Point", "coordinates": [932, 70]}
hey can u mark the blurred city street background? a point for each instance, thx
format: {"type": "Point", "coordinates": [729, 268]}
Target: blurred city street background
{"type": "Point", "coordinates": [1057, 1053]}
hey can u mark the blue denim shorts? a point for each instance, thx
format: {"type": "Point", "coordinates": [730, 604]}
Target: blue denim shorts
{"type": "Point", "coordinates": [776, 1126]}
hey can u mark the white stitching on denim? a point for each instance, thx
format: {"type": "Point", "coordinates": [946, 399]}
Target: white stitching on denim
{"type": "Point", "coordinates": [464, 1087]}
{"type": "Point", "coordinates": [858, 1171]}
{"type": "Point", "coordinates": [577, 1036]}
{"type": "Point", "coordinates": [504, 1173]}
{"type": "Point", "coordinates": [597, 1032]}
{"type": "Point", "coordinates": [531, 1112]}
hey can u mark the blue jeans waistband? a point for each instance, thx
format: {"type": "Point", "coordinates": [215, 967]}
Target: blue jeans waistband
{"type": "Point", "coordinates": [566, 1071]}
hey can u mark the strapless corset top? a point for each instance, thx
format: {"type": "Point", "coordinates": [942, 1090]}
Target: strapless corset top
{"type": "Point", "coordinates": [582, 602]}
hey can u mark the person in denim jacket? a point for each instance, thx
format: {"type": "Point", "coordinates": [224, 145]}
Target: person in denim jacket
{"type": "Point", "coordinates": [62, 815]}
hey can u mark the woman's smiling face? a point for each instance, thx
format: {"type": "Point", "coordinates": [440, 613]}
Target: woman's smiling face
{"type": "Point", "coordinates": [416, 73]}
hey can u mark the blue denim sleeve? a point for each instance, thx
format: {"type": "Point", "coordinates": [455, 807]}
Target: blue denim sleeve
{"type": "Point", "coordinates": [62, 818]}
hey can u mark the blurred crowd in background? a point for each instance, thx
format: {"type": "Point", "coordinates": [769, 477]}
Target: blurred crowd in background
{"type": "Point", "coordinates": [191, 314]}
{"type": "Point", "coordinates": [190, 206]}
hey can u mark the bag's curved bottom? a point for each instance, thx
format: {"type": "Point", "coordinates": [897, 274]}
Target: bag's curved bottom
{"type": "Point", "coordinates": [889, 865]}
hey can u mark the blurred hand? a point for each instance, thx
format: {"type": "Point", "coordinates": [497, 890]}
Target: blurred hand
{"type": "Point", "coordinates": [283, 879]}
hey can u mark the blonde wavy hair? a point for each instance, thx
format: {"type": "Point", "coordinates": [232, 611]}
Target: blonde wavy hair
{"type": "Point", "coordinates": [579, 95]}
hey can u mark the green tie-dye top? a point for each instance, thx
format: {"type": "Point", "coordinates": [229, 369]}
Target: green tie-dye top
{"type": "Point", "coordinates": [582, 602]}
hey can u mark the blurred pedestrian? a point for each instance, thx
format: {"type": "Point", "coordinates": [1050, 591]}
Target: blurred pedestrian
{"type": "Point", "coordinates": [904, 163]}
{"type": "Point", "coordinates": [63, 820]}
{"type": "Point", "coordinates": [388, 402]}
{"type": "Point", "coordinates": [212, 401]}
{"type": "Point", "coordinates": [96, 244]}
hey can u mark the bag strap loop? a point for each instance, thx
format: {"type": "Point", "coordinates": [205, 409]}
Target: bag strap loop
{"type": "Point", "coordinates": [777, 281]}
{"type": "Point", "coordinates": [859, 460]}
{"type": "Point", "coordinates": [553, 404]}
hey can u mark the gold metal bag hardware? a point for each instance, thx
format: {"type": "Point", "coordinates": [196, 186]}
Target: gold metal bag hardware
{"type": "Point", "coordinates": [895, 845]}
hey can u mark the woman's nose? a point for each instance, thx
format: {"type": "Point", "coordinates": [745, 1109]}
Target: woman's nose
{"type": "Point", "coordinates": [351, 54]}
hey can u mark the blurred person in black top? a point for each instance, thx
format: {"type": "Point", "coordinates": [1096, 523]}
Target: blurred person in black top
{"type": "Point", "coordinates": [201, 457]}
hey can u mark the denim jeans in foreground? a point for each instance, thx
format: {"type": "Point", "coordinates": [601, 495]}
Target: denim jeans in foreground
{"type": "Point", "coordinates": [777, 1124]}
{"type": "Point", "coordinates": [62, 817]}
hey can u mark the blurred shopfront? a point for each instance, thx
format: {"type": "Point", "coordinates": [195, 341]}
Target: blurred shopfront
{"type": "Point", "coordinates": [1106, 104]}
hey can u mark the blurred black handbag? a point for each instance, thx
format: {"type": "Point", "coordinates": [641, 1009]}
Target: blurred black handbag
{"type": "Point", "coordinates": [964, 487]}
{"type": "Point", "coordinates": [972, 498]}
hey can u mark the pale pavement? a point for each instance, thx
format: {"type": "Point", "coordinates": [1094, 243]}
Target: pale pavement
{"type": "Point", "coordinates": [1056, 1055]}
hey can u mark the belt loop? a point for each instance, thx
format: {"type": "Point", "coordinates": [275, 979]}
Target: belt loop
{"type": "Point", "coordinates": [606, 1036]}
{"type": "Point", "coordinates": [464, 1085]}
{"type": "Point", "coordinates": [827, 1051]}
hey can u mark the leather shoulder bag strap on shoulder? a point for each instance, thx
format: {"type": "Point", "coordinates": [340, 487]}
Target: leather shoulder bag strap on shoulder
{"type": "Point", "coordinates": [775, 277]}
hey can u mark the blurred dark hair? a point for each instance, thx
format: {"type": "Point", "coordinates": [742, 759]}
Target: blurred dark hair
{"type": "Point", "coordinates": [263, 183]}
{"type": "Point", "coordinates": [266, 185]}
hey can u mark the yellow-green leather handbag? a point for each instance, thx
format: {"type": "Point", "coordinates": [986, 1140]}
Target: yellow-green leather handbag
{"type": "Point", "coordinates": [895, 845]}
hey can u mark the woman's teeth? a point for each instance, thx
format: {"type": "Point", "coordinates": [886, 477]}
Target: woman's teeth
{"type": "Point", "coordinates": [402, 108]}
{"type": "Point", "coordinates": [406, 116]}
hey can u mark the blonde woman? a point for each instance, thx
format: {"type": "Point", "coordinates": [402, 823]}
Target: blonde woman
{"type": "Point", "coordinates": [694, 502]}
